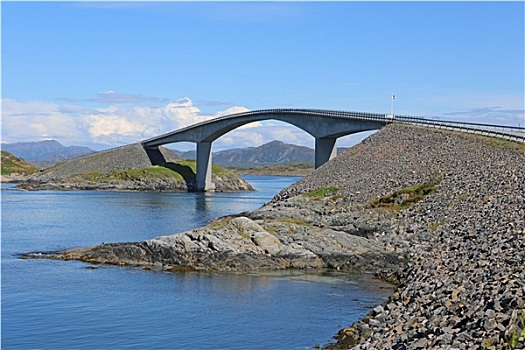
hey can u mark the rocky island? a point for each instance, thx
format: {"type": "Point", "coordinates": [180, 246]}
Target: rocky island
{"type": "Point", "coordinates": [129, 168]}
{"type": "Point", "coordinates": [441, 214]}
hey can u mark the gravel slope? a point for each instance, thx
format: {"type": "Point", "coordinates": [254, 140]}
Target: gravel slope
{"type": "Point", "coordinates": [464, 283]}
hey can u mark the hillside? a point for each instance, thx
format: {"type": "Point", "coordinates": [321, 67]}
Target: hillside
{"type": "Point", "coordinates": [129, 168]}
{"type": "Point", "coordinates": [286, 169]}
{"type": "Point", "coordinates": [272, 153]}
{"type": "Point", "coordinates": [267, 154]}
{"type": "Point", "coordinates": [12, 165]}
{"type": "Point", "coordinates": [45, 153]}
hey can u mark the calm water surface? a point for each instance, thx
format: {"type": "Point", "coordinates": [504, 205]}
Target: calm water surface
{"type": "Point", "coordinates": [71, 305]}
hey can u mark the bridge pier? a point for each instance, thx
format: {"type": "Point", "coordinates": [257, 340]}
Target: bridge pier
{"type": "Point", "coordinates": [203, 170]}
{"type": "Point", "coordinates": [325, 150]}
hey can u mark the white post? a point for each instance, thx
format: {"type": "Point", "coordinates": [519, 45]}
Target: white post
{"type": "Point", "coordinates": [392, 105]}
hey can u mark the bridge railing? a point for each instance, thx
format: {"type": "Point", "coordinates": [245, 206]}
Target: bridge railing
{"type": "Point", "coordinates": [511, 133]}
{"type": "Point", "coordinates": [506, 132]}
{"type": "Point", "coordinates": [330, 113]}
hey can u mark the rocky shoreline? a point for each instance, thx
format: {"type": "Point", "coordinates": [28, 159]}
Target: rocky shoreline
{"type": "Point", "coordinates": [440, 213]}
{"type": "Point", "coordinates": [137, 184]}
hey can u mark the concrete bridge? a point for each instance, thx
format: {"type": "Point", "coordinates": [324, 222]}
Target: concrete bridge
{"type": "Point", "coordinates": [325, 126]}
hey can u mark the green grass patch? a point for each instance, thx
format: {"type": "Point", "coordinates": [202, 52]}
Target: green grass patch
{"type": "Point", "coordinates": [512, 338]}
{"type": "Point", "coordinates": [56, 166]}
{"type": "Point", "coordinates": [287, 169]}
{"type": "Point", "coordinates": [497, 142]}
{"type": "Point", "coordinates": [183, 170]}
{"type": "Point", "coordinates": [272, 229]}
{"type": "Point", "coordinates": [243, 234]}
{"type": "Point", "coordinates": [434, 226]}
{"type": "Point", "coordinates": [11, 164]}
{"type": "Point", "coordinates": [191, 164]}
{"type": "Point", "coordinates": [287, 224]}
{"type": "Point", "coordinates": [225, 223]}
{"type": "Point", "coordinates": [405, 197]}
{"type": "Point", "coordinates": [222, 172]}
{"type": "Point", "coordinates": [322, 192]}
{"type": "Point", "coordinates": [134, 174]}
{"type": "Point", "coordinates": [219, 224]}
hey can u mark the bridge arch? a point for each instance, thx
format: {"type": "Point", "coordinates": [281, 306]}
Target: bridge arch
{"type": "Point", "coordinates": [325, 126]}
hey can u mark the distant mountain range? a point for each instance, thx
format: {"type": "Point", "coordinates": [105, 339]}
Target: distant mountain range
{"type": "Point", "coordinates": [275, 152]}
{"type": "Point", "coordinates": [49, 152]}
{"type": "Point", "coordinates": [44, 153]}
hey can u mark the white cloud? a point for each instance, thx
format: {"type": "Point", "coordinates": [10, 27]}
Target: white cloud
{"type": "Point", "coordinates": [35, 120]}
{"type": "Point", "coordinates": [232, 110]}
{"type": "Point", "coordinates": [101, 126]}
{"type": "Point", "coordinates": [261, 133]}
{"type": "Point", "coordinates": [112, 97]}
{"type": "Point", "coordinates": [98, 127]}
{"type": "Point", "coordinates": [489, 115]}
{"type": "Point", "coordinates": [250, 125]}
{"type": "Point", "coordinates": [501, 109]}
{"type": "Point", "coordinates": [138, 123]}
{"type": "Point", "coordinates": [240, 139]}
{"type": "Point", "coordinates": [115, 125]}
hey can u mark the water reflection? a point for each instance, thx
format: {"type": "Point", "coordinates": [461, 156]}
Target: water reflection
{"type": "Point", "coordinates": [62, 305]}
{"type": "Point", "coordinates": [202, 202]}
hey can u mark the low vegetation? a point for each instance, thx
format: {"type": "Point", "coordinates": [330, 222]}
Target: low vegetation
{"type": "Point", "coordinates": [517, 332]}
{"type": "Point", "coordinates": [434, 226]}
{"type": "Point", "coordinates": [405, 197]}
{"type": "Point", "coordinates": [132, 174]}
{"type": "Point", "coordinates": [219, 224]}
{"type": "Point", "coordinates": [284, 224]}
{"type": "Point", "coordinates": [183, 170]}
{"type": "Point", "coordinates": [288, 169]}
{"type": "Point", "coordinates": [322, 192]}
{"type": "Point", "coordinates": [14, 165]}
{"type": "Point", "coordinates": [492, 141]}
{"type": "Point", "coordinates": [497, 142]}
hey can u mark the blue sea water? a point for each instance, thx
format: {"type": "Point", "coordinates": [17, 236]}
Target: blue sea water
{"type": "Point", "coordinates": [49, 304]}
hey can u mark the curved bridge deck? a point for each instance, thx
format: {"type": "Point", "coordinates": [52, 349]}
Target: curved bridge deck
{"type": "Point", "coordinates": [324, 125]}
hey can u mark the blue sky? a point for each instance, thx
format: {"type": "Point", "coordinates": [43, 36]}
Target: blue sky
{"type": "Point", "coordinates": [104, 74]}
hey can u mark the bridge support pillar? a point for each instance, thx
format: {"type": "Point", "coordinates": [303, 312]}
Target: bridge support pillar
{"type": "Point", "coordinates": [204, 167]}
{"type": "Point", "coordinates": [325, 149]}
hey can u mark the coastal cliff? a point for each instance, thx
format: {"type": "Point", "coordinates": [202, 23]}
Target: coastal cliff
{"type": "Point", "coordinates": [441, 214]}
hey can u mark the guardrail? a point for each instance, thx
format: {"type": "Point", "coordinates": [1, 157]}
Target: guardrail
{"type": "Point", "coordinates": [511, 133]}
{"type": "Point", "coordinates": [319, 112]}
{"type": "Point", "coordinates": [502, 131]}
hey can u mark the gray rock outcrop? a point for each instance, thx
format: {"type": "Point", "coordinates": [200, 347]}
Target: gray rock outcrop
{"type": "Point", "coordinates": [240, 244]}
